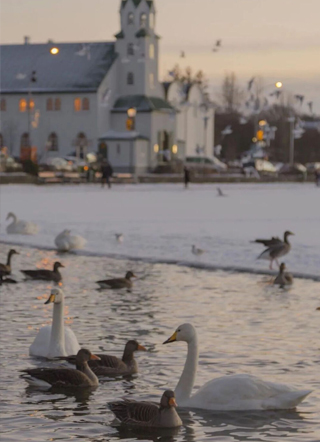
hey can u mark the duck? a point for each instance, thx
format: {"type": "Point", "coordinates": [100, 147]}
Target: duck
{"type": "Point", "coordinates": [44, 274]}
{"type": "Point", "coordinates": [55, 340]}
{"type": "Point", "coordinates": [5, 269]}
{"type": "Point", "coordinates": [117, 283]}
{"type": "Point", "coordinates": [80, 377]}
{"type": "Point", "coordinates": [21, 227]}
{"type": "Point", "coordinates": [196, 251]}
{"type": "Point", "coordinates": [119, 237]}
{"type": "Point", "coordinates": [148, 414]}
{"type": "Point", "coordinates": [66, 242]}
{"type": "Point", "coordinates": [111, 365]}
{"type": "Point", "coordinates": [232, 392]}
{"type": "Point", "coordinates": [283, 278]}
{"type": "Point", "coordinates": [276, 248]}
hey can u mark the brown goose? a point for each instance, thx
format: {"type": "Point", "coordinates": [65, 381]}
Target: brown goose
{"type": "Point", "coordinates": [111, 365]}
{"type": "Point", "coordinates": [7, 280]}
{"type": "Point", "coordinates": [277, 249]}
{"type": "Point", "coordinates": [148, 414]}
{"type": "Point", "coordinates": [5, 269]}
{"type": "Point", "coordinates": [117, 283]}
{"type": "Point", "coordinates": [64, 377]}
{"type": "Point", "coordinates": [45, 275]}
{"type": "Point", "coordinates": [283, 278]}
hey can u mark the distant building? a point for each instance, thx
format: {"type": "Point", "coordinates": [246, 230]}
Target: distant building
{"type": "Point", "coordinates": [78, 100]}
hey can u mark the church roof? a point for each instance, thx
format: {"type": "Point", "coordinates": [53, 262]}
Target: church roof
{"type": "Point", "coordinates": [141, 103]}
{"type": "Point", "coordinates": [78, 67]}
{"type": "Point", "coordinates": [127, 135]}
{"type": "Point", "coordinates": [136, 3]}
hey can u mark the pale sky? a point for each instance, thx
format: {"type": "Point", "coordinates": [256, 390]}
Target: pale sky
{"type": "Point", "coordinates": [277, 39]}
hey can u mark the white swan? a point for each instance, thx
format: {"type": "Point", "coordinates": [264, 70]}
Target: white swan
{"type": "Point", "coordinates": [66, 242]}
{"type": "Point", "coordinates": [21, 227]}
{"type": "Point", "coordinates": [234, 392]}
{"type": "Point", "coordinates": [56, 339]}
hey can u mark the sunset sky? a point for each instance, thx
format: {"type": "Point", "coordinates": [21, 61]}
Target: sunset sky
{"type": "Point", "coordinates": [277, 39]}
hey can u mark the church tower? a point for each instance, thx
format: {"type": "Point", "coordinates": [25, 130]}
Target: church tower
{"type": "Point", "coordinates": [138, 49]}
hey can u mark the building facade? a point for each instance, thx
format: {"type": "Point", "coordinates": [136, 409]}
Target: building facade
{"type": "Point", "coordinates": [73, 98]}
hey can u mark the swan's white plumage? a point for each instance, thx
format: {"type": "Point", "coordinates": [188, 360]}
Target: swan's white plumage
{"type": "Point", "coordinates": [66, 242]}
{"type": "Point", "coordinates": [20, 227]}
{"type": "Point", "coordinates": [235, 392]}
{"type": "Point", "coordinates": [40, 345]}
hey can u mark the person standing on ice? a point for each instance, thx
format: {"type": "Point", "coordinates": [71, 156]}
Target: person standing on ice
{"type": "Point", "coordinates": [186, 172]}
{"type": "Point", "coordinates": [106, 171]}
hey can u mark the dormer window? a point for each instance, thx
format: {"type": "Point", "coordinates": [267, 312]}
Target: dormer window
{"type": "Point", "coordinates": [130, 18]}
{"type": "Point", "coordinates": [143, 20]}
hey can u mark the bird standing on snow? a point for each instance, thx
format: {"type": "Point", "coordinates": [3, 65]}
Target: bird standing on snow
{"type": "Point", "coordinates": [276, 248]}
{"type": "Point", "coordinates": [196, 251]}
{"type": "Point", "coordinates": [119, 237]}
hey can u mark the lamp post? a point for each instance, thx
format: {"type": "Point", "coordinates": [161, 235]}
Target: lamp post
{"type": "Point", "coordinates": [278, 85]}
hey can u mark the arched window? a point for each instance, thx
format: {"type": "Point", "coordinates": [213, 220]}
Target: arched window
{"type": "Point", "coordinates": [151, 51]}
{"type": "Point", "coordinates": [31, 104]}
{"type": "Point", "coordinates": [22, 105]}
{"type": "Point", "coordinates": [24, 142]}
{"type": "Point", "coordinates": [3, 105]}
{"type": "Point", "coordinates": [1, 141]}
{"type": "Point", "coordinates": [143, 20]}
{"type": "Point", "coordinates": [77, 104]}
{"type": "Point", "coordinates": [57, 104]}
{"type": "Point", "coordinates": [130, 78]}
{"type": "Point", "coordinates": [53, 142]}
{"type": "Point", "coordinates": [130, 18]}
{"type": "Point", "coordinates": [85, 104]}
{"type": "Point", "coordinates": [130, 49]}
{"type": "Point", "coordinates": [49, 104]}
{"type": "Point", "coordinates": [151, 20]}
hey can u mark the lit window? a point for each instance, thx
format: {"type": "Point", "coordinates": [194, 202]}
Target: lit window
{"type": "Point", "coordinates": [151, 51]}
{"type": "Point", "coordinates": [130, 78]}
{"type": "Point", "coordinates": [130, 50]}
{"type": "Point", "coordinates": [53, 142]}
{"type": "Point", "coordinates": [57, 104]}
{"type": "Point", "coordinates": [151, 20]}
{"type": "Point", "coordinates": [77, 104]}
{"type": "Point", "coordinates": [85, 104]}
{"type": "Point", "coordinates": [49, 104]}
{"type": "Point", "coordinates": [31, 104]}
{"type": "Point", "coordinates": [151, 76]}
{"type": "Point", "coordinates": [130, 18]}
{"type": "Point", "coordinates": [3, 105]}
{"type": "Point", "coordinates": [22, 105]}
{"type": "Point", "coordinates": [143, 20]}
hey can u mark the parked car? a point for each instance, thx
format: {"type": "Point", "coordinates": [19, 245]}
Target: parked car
{"type": "Point", "coordinates": [293, 169]}
{"type": "Point", "coordinates": [56, 164]}
{"type": "Point", "coordinates": [204, 165]}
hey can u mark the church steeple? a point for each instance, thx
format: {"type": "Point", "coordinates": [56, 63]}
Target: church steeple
{"type": "Point", "coordinates": [137, 46]}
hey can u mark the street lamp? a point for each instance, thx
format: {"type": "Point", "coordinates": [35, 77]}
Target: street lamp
{"type": "Point", "coordinates": [278, 84]}
{"type": "Point", "coordinates": [131, 112]}
{"type": "Point", "coordinates": [54, 51]}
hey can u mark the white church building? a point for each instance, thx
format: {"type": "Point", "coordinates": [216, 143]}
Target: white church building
{"type": "Point", "coordinates": [59, 99]}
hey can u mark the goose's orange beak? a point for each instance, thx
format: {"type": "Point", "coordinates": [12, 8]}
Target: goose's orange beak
{"type": "Point", "coordinates": [95, 358]}
{"type": "Point", "coordinates": [141, 348]}
{"type": "Point", "coordinates": [172, 402]}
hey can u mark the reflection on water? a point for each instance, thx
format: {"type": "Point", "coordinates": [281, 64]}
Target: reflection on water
{"type": "Point", "coordinates": [245, 325]}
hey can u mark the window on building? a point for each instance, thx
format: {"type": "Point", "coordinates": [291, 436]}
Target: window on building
{"type": "Point", "coordinates": [130, 18]}
{"type": "Point", "coordinates": [151, 77]}
{"type": "Point", "coordinates": [151, 50]}
{"type": "Point", "coordinates": [85, 104]}
{"type": "Point", "coordinates": [22, 105]}
{"type": "Point", "coordinates": [81, 144]}
{"type": "Point", "coordinates": [118, 149]}
{"type": "Point", "coordinates": [3, 105]}
{"type": "Point", "coordinates": [31, 104]}
{"type": "Point", "coordinates": [49, 104]}
{"type": "Point", "coordinates": [151, 20]}
{"type": "Point", "coordinates": [143, 20]}
{"type": "Point", "coordinates": [53, 142]}
{"type": "Point", "coordinates": [24, 142]}
{"type": "Point", "coordinates": [130, 78]}
{"type": "Point", "coordinates": [77, 104]}
{"type": "Point", "coordinates": [57, 104]}
{"type": "Point", "coordinates": [130, 49]}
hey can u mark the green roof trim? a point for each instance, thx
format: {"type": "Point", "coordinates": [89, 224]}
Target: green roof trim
{"type": "Point", "coordinates": [136, 3]}
{"type": "Point", "coordinates": [141, 103]}
{"type": "Point", "coordinates": [119, 35]}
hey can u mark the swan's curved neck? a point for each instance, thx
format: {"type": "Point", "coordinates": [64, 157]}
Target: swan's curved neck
{"type": "Point", "coordinates": [14, 218]}
{"type": "Point", "coordinates": [57, 341]}
{"type": "Point", "coordinates": [184, 388]}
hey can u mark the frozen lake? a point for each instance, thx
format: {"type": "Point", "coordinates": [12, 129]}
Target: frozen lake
{"type": "Point", "coordinates": [161, 222]}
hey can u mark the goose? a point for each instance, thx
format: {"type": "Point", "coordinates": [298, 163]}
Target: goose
{"type": "Point", "coordinates": [111, 365]}
{"type": "Point", "coordinates": [283, 278]}
{"type": "Point", "coordinates": [66, 242]}
{"type": "Point", "coordinates": [220, 193]}
{"type": "Point", "coordinates": [197, 251]}
{"type": "Point", "coordinates": [117, 283]}
{"type": "Point", "coordinates": [45, 275]}
{"type": "Point", "coordinates": [64, 377]}
{"type": "Point", "coordinates": [21, 227]}
{"type": "Point", "coordinates": [56, 339]}
{"type": "Point", "coordinates": [233, 392]}
{"type": "Point", "coordinates": [5, 269]}
{"type": "Point", "coordinates": [119, 237]}
{"type": "Point", "coordinates": [6, 280]}
{"type": "Point", "coordinates": [148, 414]}
{"type": "Point", "coordinates": [276, 249]}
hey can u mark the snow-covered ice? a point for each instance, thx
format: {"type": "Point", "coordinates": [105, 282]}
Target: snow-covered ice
{"type": "Point", "coordinates": [162, 222]}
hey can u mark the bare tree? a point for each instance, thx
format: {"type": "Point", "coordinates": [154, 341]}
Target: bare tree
{"type": "Point", "coordinates": [187, 77]}
{"type": "Point", "coordinates": [9, 134]}
{"type": "Point", "coordinates": [231, 94]}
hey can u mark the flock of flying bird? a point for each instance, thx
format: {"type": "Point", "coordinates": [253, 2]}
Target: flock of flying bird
{"type": "Point", "coordinates": [59, 343]}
